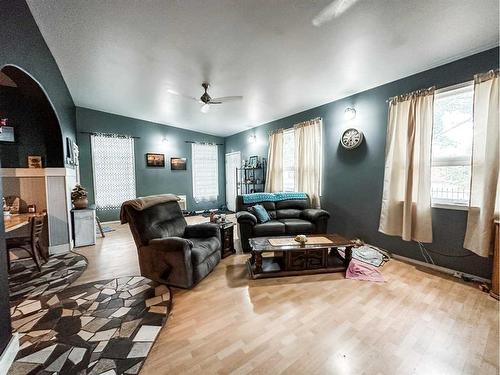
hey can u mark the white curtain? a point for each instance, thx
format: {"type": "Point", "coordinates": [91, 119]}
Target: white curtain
{"type": "Point", "coordinates": [274, 174]}
{"type": "Point", "coordinates": [484, 199]}
{"type": "Point", "coordinates": [205, 172]}
{"type": "Point", "coordinates": [406, 201]}
{"type": "Point", "coordinates": [308, 159]}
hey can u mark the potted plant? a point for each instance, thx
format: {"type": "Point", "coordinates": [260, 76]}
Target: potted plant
{"type": "Point", "coordinates": [79, 197]}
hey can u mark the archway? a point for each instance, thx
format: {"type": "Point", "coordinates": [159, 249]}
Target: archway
{"type": "Point", "coordinates": [31, 117]}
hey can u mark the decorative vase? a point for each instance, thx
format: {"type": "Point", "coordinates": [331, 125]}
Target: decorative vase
{"type": "Point", "coordinates": [80, 203]}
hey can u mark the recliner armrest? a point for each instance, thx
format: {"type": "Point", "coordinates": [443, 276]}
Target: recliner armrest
{"type": "Point", "coordinates": [314, 214]}
{"type": "Point", "coordinates": [168, 260]}
{"type": "Point", "coordinates": [246, 217]}
{"type": "Point", "coordinates": [170, 244]}
{"type": "Point", "coordinates": [202, 230]}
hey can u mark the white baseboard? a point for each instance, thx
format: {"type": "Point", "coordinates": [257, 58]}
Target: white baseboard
{"type": "Point", "coordinates": [439, 268]}
{"type": "Point", "coordinates": [59, 249]}
{"type": "Point", "coordinates": [111, 222]}
{"type": "Point", "coordinates": [9, 354]}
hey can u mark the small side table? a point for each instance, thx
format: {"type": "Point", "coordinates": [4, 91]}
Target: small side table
{"type": "Point", "coordinates": [227, 238]}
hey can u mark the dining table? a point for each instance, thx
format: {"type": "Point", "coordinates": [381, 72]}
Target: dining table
{"type": "Point", "coordinates": [16, 221]}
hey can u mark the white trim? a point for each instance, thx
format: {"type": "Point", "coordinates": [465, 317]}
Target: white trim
{"type": "Point", "coordinates": [9, 354]}
{"type": "Point", "coordinates": [450, 206]}
{"type": "Point", "coordinates": [37, 172]}
{"type": "Point", "coordinates": [111, 222]}
{"type": "Point", "coordinates": [59, 249]}
{"type": "Point", "coordinates": [459, 86]}
{"type": "Point", "coordinates": [448, 271]}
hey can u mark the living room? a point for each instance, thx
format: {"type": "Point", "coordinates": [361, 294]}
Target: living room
{"type": "Point", "coordinates": [249, 187]}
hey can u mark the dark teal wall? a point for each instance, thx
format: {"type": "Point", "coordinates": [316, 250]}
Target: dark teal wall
{"type": "Point", "coordinates": [22, 45]}
{"type": "Point", "coordinates": [353, 180]}
{"type": "Point", "coordinates": [148, 180]}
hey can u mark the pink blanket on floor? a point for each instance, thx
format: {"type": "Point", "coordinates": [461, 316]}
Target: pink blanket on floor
{"type": "Point", "coordinates": [361, 271]}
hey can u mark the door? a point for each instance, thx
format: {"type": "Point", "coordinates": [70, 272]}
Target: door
{"type": "Point", "coordinates": [233, 161]}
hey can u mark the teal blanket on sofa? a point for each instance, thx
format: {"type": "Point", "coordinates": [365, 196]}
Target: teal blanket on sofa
{"type": "Point", "coordinates": [272, 197]}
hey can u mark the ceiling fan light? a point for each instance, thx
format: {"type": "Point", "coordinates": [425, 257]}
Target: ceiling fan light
{"type": "Point", "coordinates": [204, 108]}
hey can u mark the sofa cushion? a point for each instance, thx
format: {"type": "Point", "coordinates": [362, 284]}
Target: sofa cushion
{"type": "Point", "coordinates": [288, 213]}
{"type": "Point", "coordinates": [270, 228]}
{"type": "Point", "coordinates": [298, 226]}
{"type": "Point", "coordinates": [203, 248]}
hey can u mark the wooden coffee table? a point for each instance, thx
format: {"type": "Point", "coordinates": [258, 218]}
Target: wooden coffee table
{"type": "Point", "coordinates": [289, 258]}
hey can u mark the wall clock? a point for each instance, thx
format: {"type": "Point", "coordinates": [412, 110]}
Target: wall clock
{"type": "Point", "coordinates": [351, 138]}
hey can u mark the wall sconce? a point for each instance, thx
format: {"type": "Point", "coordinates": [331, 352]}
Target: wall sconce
{"type": "Point", "coordinates": [349, 114]}
{"type": "Point", "coordinates": [252, 138]}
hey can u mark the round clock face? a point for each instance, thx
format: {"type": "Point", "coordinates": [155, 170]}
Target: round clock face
{"type": "Point", "coordinates": [351, 138]}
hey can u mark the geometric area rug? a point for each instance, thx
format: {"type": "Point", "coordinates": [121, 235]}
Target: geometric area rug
{"type": "Point", "coordinates": [25, 281]}
{"type": "Point", "coordinates": [105, 327]}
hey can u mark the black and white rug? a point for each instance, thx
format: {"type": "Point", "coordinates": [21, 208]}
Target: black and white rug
{"type": "Point", "coordinates": [26, 282]}
{"type": "Point", "coordinates": [106, 327]}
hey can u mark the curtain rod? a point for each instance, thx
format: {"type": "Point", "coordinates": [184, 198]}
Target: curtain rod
{"type": "Point", "coordinates": [407, 96]}
{"type": "Point", "coordinates": [205, 143]}
{"type": "Point", "coordinates": [111, 134]}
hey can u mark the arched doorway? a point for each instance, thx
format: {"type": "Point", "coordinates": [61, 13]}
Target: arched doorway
{"type": "Point", "coordinates": [29, 115]}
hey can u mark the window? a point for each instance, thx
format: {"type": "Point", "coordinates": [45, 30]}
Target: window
{"type": "Point", "coordinates": [289, 160]}
{"type": "Point", "coordinates": [452, 145]}
{"type": "Point", "coordinates": [205, 172]}
{"type": "Point", "coordinates": [113, 163]}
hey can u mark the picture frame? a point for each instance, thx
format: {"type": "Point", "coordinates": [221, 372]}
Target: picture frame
{"type": "Point", "coordinates": [155, 160]}
{"type": "Point", "coordinates": [7, 134]}
{"type": "Point", "coordinates": [178, 164]}
{"type": "Point", "coordinates": [34, 161]}
{"type": "Point", "coordinates": [253, 161]}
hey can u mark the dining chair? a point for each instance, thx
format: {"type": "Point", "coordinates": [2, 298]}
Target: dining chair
{"type": "Point", "coordinates": [30, 243]}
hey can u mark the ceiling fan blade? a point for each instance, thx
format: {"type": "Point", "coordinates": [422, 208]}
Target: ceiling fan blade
{"type": "Point", "coordinates": [333, 10]}
{"type": "Point", "coordinates": [205, 108]}
{"type": "Point", "coordinates": [173, 92]}
{"type": "Point", "coordinates": [225, 99]}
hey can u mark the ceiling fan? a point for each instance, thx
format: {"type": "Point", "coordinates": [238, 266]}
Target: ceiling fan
{"type": "Point", "coordinates": [332, 10]}
{"type": "Point", "coordinates": [206, 100]}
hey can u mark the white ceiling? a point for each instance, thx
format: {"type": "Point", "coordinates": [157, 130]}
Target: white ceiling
{"type": "Point", "coordinates": [122, 56]}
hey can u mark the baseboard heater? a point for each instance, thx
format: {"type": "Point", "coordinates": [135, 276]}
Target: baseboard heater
{"type": "Point", "coordinates": [448, 271]}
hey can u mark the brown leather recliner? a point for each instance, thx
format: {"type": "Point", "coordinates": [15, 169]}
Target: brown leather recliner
{"type": "Point", "coordinates": [170, 251]}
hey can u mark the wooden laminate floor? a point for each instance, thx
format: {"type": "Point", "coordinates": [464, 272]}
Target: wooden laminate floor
{"type": "Point", "coordinates": [417, 322]}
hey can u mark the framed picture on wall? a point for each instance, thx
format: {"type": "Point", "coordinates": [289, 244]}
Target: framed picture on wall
{"type": "Point", "coordinates": [155, 160]}
{"type": "Point", "coordinates": [253, 161]}
{"type": "Point", "coordinates": [6, 132]}
{"type": "Point", "coordinates": [34, 161]}
{"type": "Point", "coordinates": [178, 164]}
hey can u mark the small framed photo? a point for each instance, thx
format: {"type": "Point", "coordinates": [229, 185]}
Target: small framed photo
{"type": "Point", "coordinates": [155, 160]}
{"type": "Point", "coordinates": [6, 132]}
{"type": "Point", "coordinates": [178, 164]}
{"type": "Point", "coordinates": [253, 161]}
{"type": "Point", "coordinates": [34, 161]}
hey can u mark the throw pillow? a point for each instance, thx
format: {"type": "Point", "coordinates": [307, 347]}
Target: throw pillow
{"type": "Point", "coordinates": [261, 213]}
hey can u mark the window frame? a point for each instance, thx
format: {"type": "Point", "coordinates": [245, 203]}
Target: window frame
{"type": "Point", "coordinates": [197, 198]}
{"type": "Point", "coordinates": [292, 168]}
{"type": "Point", "coordinates": [129, 179]}
{"type": "Point", "coordinates": [452, 161]}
